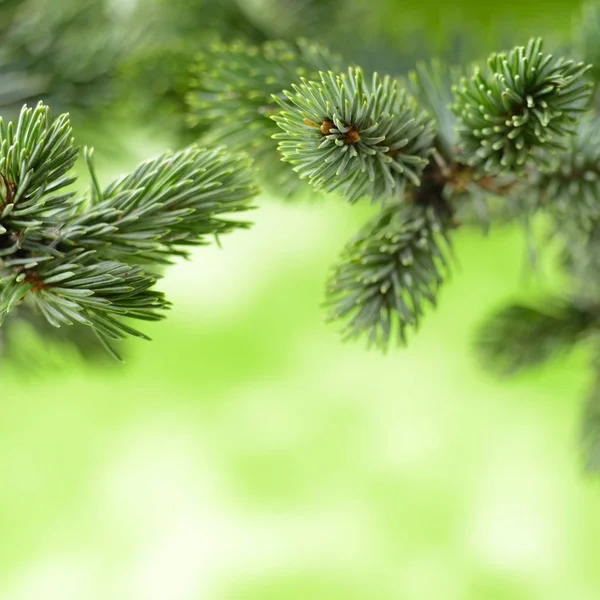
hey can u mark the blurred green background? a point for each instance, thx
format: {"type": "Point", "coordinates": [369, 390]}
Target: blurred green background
{"type": "Point", "coordinates": [247, 454]}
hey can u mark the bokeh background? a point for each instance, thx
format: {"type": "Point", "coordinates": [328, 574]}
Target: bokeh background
{"type": "Point", "coordinates": [246, 453]}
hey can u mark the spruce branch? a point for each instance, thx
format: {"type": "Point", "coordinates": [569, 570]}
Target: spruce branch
{"type": "Point", "coordinates": [571, 188]}
{"type": "Point", "coordinates": [166, 204]}
{"type": "Point", "coordinates": [76, 289]}
{"type": "Point", "coordinates": [431, 84]}
{"type": "Point", "coordinates": [520, 337]}
{"type": "Point", "coordinates": [360, 139]}
{"type": "Point", "coordinates": [81, 259]}
{"type": "Point", "coordinates": [523, 102]}
{"type": "Point", "coordinates": [232, 97]}
{"type": "Point", "coordinates": [35, 157]}
{"type": "Point", "coordinates": [234, 86]}
{"type": "Point", "coordinates": [515, 140]}
{"type": "Point", "coordinates": [503, 134]}
{"type": "Point", "coordinates": [389, 273]}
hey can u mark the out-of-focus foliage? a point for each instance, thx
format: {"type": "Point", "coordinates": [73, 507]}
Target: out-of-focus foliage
{"type": "Point", "coordinates": [63, 52]}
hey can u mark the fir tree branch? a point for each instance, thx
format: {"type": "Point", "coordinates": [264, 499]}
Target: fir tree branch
{"type": "Point", "coordinates": [233, 97]}
{"type": "Point", "coordinates": [520, 337]}
{"type": "Point", "coordinates": [360, 139]}
{"type": "Point", "coordinates": [77, 288]}
{"type": "Point", "coordinates": [35, 157]}
{"type": "Point", "coordinates": [525, 101]}
{"type": "Point", "coordinates": [165, 204]}
{"type": "Point", "coordinates": [70, 258]}
{"type": "Point", "coordinates": [388, 274]}
{"type": "Point", "coordinates": [571, 188]}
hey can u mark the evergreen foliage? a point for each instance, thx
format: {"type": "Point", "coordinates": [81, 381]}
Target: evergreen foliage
{"type": "Point", "coordinates": [389, 272]}
{"type": "Point", "coordinates": [525, 101]}
{"type": "Point", "coordinates": [433, 149]}
{"type": "Point", "coordinates": [237, 88]}
{"type": "Point", "coordinates": [512, 139]}
{"type": "Point", "coordinates": [82, 259]}
{"type": "Point", "coordinates": [520, 337]}
{"type": "Point", "coordinates": [363, 140]}
{"type": "Point", "coordinates": [509, 140]}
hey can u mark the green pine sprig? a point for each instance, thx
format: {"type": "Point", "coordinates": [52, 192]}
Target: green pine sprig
{"type": "Point", "coordinates": [35, 159]}
{"type": "Point", "coordinates": [82, 259]}
{"type": "Point", "coordinates": [520, 337]}
{"type": "Point", "coordinates": [232, 97]}
{"type": "Point", "coordinates": [389, 273]}
{"type": "Point", "coordinates": [571, 188]}
{"type": "Point", "coordinates": [164, 206]}
{"type": "Point", "coordinates": [525, 101]}
{"type": "Point", "coordinates": [361, 139]}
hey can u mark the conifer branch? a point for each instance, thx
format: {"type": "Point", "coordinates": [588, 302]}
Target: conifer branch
{"type": "Point", "coordinates": [524, 101]}
{"type": "Point", "coordinates": [501, 133]}
{"type": "Point", "coordinates": [361, 139]}
{"type": "Point", "coordinates": [520, 337]}
{"type": "Point", "coordinates": [571, 188]}
{"type": "Point", "coordinates": [515, 139]}
{"type": "Point", "coordinates": [389, 273]}
{"type": "Point", "coordinates": [166, 204]}
{"type": "Point", "coordinates": [234, 91]}
{"type": "Point", "coordinates": [72, 258]}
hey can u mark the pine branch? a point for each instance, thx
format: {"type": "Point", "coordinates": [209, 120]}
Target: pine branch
{"type": "Point", "coordinates": [389, 273]}
{"type": "Point", "coordinates": [520, 337]}
{"type": "Point", "coordinates": [35, 157]}
{"type": "Point", "coordinates": [571, 189]}
{"type": "Point", "coordinates": [77, 289]}
{"type": "Point", "coordinates": [525, 101]}
{"type": "Point", "coordinates": [514, 140]}
{"type": "Point", "coordinates": [359, 139]}
{"type": "Point", "coordinates": [372, 139]}
{"type": "Point", "coordinates": [167, 204]}
{"type": "Point", "coordinates": [72, 259]}
{"type": "Point", "coordinates": [233, 97]}
{"type": "Point", "coordinates": [431, 84]}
